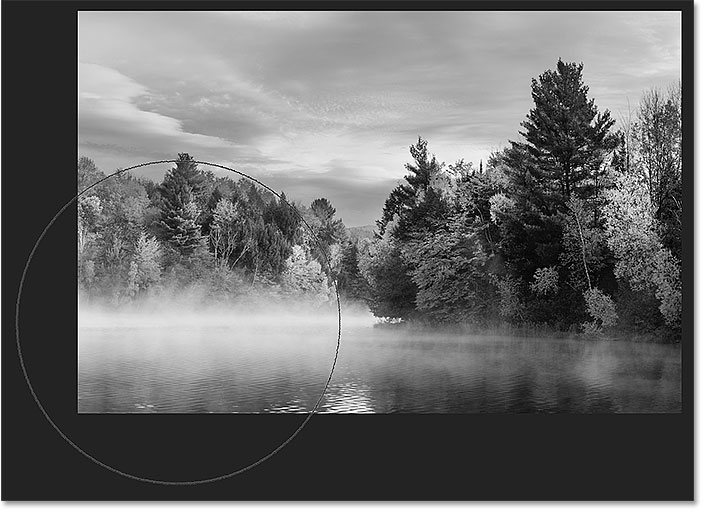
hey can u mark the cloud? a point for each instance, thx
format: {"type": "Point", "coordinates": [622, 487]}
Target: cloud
{"type": "Point", "coordinates": [108, 113]}
{"type": "Point", "coordinates": [111, 122]}
{"type": "Point", "coordinates": [302, 96]}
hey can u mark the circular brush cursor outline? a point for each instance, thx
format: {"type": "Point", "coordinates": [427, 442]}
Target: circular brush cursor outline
{"type": "Point", "coordinates": [115, 470]}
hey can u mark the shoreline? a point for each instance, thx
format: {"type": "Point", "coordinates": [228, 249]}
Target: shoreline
{"type": "Point", "coordinates": [660, 337]}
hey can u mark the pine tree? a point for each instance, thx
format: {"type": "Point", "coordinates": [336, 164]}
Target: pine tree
{"type": "Point", "coordinates": [525, 213]}
{"type": "Point", "coordinates": [405, 196]}
{"type": "Point", "coordinates": [566, 134]}
{"type": "Point", "coordinates": [328, 230]}
{"type": "Point", "coordinates": [282, 214]}
{"type": "Point", "coordinates": [413, 210]}
{"type": "Point", "coordinates": [350, 282]}
{"type": "Point", "coordinates": [179, 211]}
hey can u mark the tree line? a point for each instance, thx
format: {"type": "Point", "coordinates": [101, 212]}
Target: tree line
{"type": "Point", "coordinates": [213, 239]}
{"type": "Point", "coordinates": [577, 226]}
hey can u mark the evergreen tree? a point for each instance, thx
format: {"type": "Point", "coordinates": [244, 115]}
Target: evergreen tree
{"type": "Point", "coordinates": [405, 196]}
{"type": "Point", "coordinates": [413, 209]}
{"type": "Point", "coordinates": [282, 214]}
{"type": "Point", "coordinates": [350, 282]}
{"type": "Point", "coordinates": [253, 196]}
{"type": "Point", "coordinates": [566, 134]}
{"type": "Point", "coordinates": [179, 210]}
{"type": "Point", "coordinates": [529, 228]}
{"type": "Point", "coordinates": [328, 230]}
{"type": "Point", "coordinates": [272, 249]}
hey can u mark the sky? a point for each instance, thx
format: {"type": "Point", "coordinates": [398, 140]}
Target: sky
{"type": "Point", "coordinates": [326, 104]}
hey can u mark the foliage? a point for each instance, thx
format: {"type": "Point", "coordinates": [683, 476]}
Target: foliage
{"type": "Point", "coordinates": [392, 293]}
{"type": "Point", "coordinates": [510, 305]}
{"type": "Point", "coordinates": [601, 308]}
{"type": "Point", "coordinates": [302, 275]}
{"type": "Point", "coordinates": [179, 209]}
{"type": "Point", "coordinates": [658, 159]}
{"type": "Point", "coordinates": [350, 281]}
{"type": "Point", "coordinates": [327, 230]}
{"type": "Point", "coordinates": [284, 216]}
{"type": "Point", "coordinates": [449, 270]}
{"type": "Point", "coordinates": [585, 254]}
{"type": "Point", "coordinates": [576, 225]}
{"type": "Point", "coordinates": [405, 196]}
{"type": "Point", "coordinates": [501, 207]}
{"type": "Point", "coordinates": [89, 210]}
{"type": "Point", "coordinates": [145, 268]}
{"type": "Point", "coordinates": [565, 132]}
{"type": "Point", "coordinates": [224, 235]}
{"type": "Point", "coordinates": [88, 174]}
{"type": "Point", "coordinates": [632, 234]}
{"type": "Point", "coordinates": [545, 281]}
{"type": "Point", "coordinates": [193, 231]}
{"type": "Point", "coordinates": [528, 224]}
{"type": "Point", "coordinates": [270, 248]}
{"type": "Point", "coordinates": [540, 235]}
{"type": "Point", "coordinates": [668, 286]}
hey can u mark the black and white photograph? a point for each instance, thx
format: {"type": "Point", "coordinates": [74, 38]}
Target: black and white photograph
{"type": "Point", "coordinates": [379, 212]}
{"type": "Point", "coordinates": [349, 251]}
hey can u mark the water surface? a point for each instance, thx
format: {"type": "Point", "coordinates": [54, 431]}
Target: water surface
{"type": "Point", "coordinates": [255, 364]}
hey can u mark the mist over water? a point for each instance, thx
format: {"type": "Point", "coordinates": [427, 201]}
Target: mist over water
{"type": "Point", "coordinates": [159, 357]}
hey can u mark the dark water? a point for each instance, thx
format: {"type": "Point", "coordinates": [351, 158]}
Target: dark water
{"type": "Point", "coordinates": [216, 365]}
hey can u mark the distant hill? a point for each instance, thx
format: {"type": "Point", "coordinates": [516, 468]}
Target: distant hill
{"type": "Point", "coordinates": [361, 232]}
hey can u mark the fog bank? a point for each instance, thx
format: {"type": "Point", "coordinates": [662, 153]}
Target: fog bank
{"type": "Point", "coordinates": [166, 313]}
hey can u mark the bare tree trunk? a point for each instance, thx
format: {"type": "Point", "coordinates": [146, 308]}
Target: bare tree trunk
{"type": "Point", "coordinates": [584, 252]}
{"type": "Point", "coordinates": [254, 277]}
{"type": "Point", "coordinates": [240, 256]}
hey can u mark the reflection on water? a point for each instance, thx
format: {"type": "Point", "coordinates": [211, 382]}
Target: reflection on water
{"type": "Point", "coordinates": [339, 398]}
{"type": "Point", "coordinates": [260, 366]}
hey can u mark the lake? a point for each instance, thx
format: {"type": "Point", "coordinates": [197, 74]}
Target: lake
{"type": "Point", "coordinates": [219, 363]}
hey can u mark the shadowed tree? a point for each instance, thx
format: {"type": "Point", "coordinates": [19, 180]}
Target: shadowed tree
{"type": "Point", "coordinates": [392, 293]}
{"type": "Point", "coordinates": [350, 282]}
{"type": "Point", "coordinates": [282, 214]}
